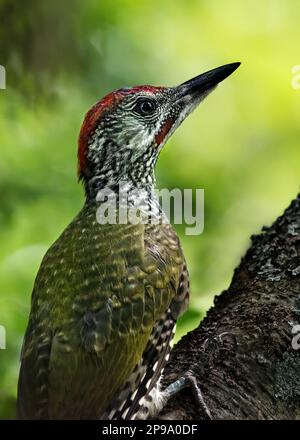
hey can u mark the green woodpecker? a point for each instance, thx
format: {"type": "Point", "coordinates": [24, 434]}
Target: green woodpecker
{"type": "Point", "coordinates": [108, 294]}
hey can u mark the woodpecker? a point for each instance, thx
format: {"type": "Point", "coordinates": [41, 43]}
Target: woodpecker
{"type": "Point", "coordinates": [107, 295]}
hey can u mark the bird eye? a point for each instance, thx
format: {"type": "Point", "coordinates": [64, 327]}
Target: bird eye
{"type": "Point", "coordinates": [145, 106]}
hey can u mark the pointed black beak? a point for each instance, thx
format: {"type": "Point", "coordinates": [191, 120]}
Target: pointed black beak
{"type": "Point", "coordinates": [206, 82]}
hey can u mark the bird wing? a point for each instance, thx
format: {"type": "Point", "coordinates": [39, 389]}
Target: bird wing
{"type": "Point", "coordinates": [158, 349]}
{"type": "Point", "coordinates": [147, 373]}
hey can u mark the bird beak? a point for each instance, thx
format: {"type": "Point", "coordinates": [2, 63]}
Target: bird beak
{"type": "Point", "coordinates": [196, 89]}
{"type": "Point", "coordinates": [186, 97]}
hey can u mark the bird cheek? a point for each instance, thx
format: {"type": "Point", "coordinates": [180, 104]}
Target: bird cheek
{"type": "Point", "coordinates": [164, 130]}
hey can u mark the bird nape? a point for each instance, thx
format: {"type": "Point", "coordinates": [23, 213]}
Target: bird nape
{"type": "Point", "coordinates": [107, 295]}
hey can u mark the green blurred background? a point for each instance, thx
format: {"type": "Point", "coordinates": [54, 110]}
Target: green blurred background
{"type": "Point", "coordinates": [241, 145]}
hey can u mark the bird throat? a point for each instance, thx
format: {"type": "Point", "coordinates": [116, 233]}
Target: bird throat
{"type": "Point", "coordinates": [125, 203]}
{"type": "Point", "coordinates": [132, 195]}
{"type": "Point", "coordinates": [122, 178]}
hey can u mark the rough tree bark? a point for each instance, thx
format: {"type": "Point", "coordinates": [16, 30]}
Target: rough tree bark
{"type": "Point", "coordinates": [242, 354]}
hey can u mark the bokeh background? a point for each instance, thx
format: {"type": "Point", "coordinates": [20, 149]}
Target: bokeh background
{"type": "Point", "coordinates": [241, 145]}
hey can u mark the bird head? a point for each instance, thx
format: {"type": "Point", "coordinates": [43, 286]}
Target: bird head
{"type": "Point", "coordinates": [123, 133]}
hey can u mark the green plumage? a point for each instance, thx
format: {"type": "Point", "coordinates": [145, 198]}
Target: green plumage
{"type": "Point", "coordinates": [106, 298]}
{"type": "Point", "coordinates": [97, 296]}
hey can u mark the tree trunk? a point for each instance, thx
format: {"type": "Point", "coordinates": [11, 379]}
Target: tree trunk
{"type": "Point", "coordinates": [245, 355]}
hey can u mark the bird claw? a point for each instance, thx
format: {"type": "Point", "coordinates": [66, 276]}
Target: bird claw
{"type": "Point", "coordinates": [185, 381]}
